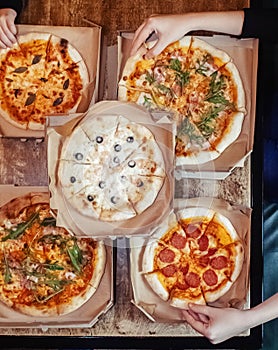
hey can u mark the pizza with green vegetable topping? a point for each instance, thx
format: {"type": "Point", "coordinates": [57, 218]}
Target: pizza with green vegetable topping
{"type": "Point", "coordinates": [44, 269]}
{"type": "Point", "coordinates": [202, 88]}
{"type": "Point", "coordinates": [40, 75]}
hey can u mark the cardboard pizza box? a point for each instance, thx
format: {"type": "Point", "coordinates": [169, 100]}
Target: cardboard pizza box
{"type": "Point", "coordinates": [142, 224]}
{"type": "Point", "coordinates": [87, 40]}
{"type": "Point", "coordinates": [244, 53]}
{"type": "Point", "coordinates": [157, 310]}
{"type": "Point", "coordinates": [85, 316]}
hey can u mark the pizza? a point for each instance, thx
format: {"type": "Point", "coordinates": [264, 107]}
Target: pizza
{"type": "Point", "coordinates": [40, 75]}
{"type": "Point", "coordinates": [201, 87]}
{"type": "Point", "coordinates": [44, 269]}
{"type": "Point", "coordinates": [195, 258]}
{"type": "Point", "coordinates": [110, 168]}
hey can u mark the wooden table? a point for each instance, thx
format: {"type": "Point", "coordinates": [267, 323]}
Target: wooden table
{"type": "Point", "coordinates": [24, 163]}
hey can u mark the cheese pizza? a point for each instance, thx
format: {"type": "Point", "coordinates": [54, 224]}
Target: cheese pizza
{"type": "Point", "coordinates": [40, 75]}
{"type": "Point", "coordinates": [110, 168]}
{"type": "Point", "coordinates": [202, 88]}
{"type": "Point", "coordinates": [196, 257]}
{"type": "Point", "coordinates": [44, 269]}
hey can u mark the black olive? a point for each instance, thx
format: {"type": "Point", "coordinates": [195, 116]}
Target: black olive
{"type": "Point", "coordinates": [101, 184]}
{"type": "Point", "coordinates": [139, 183]}
{"type": "Point", "coordinates": [123, 178]}
{"type": "Point", "coordinates": [130, 139]}
{"type": "Point", "coordinates": [117, 148]}
{"type": "Point", "coordinates": [78, 156]}
{"type": "Point", "coordinates": [131, 163]}
{"type": "Point", "coordinates": [99, 139]}
{"type": "Point", "coordinates": [116, 160]}
{"type": "Point", "coordinates": [90, 198]}
{"type": "Point", "coordinates": [114, 199]}
{"type": "Point", "coordinates": [72, 179]}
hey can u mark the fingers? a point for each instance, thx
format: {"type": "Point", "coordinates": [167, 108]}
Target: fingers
{"type": "Point", "coordinates": [7, 29]}
{"type": "Point", "coordinates": [199, 316]}
{"type": "Point", "coordinates": [196, 324]}
{"type": "Point", "coordinates": [141, 35]}
{"type": "Point", "coordinates": [199, 309]}
{"type": "Point", "coordinates": [156, 49]}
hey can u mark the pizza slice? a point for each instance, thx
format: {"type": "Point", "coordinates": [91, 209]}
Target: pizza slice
{"type": "Point", "coordinates": [19, 107]}
{"type": "Point", "coordinates": [188, 288]}
{"type": "Point", "coordinates": [194, 221]}
{"type": "Point", "coordinates": [191, 146]}
{"type": "Point", "coordinates": [33, 46]}
{"type": "Point", "coordinates": [217, 106]}
{"type": "Point", "coordinates": [204, 59]}
{"type": "Point", "coordinates": [156, 83]}
{"type": "Point", "coordinates": [224, 267]}
{"type": "Point", "coordinates": [62, 57]}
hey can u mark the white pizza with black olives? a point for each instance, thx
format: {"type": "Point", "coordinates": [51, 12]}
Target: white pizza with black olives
{"type": "Point", "coordinates": [110, 168]}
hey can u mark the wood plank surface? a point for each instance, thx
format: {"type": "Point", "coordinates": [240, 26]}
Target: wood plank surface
{"type": "Point", "coordinates": [24, 163]}
{"type": "Point", "coordinates": [114, 15]}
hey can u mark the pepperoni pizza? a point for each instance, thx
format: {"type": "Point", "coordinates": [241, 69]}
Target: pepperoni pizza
{"type": "Point", "coordinates": [195, 258]}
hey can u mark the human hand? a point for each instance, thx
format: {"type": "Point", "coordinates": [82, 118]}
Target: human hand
{"type": "Point", "coordinates": [7, 27]}
{"type": "Point", "coordinates": [217, 324]}
{"type": "Point", "coordinates": [168, 29]}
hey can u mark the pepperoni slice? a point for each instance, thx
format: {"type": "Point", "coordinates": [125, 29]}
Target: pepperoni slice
{"type": "Point", "coordinates": [166, 255]}
{"type": "Point", "coordinates": [203, 243]}
{"type": "Point", "coordinates": [192, 279]}
{"type": "Point", "coordinates": [219, 262]}
{"type": "Point", "coordinates": [204, 260]}
{"type": "Point", "coordinates": [210, 277]}
{"type": "Point", "coordinates": [169, 270]}
{"type": "Point", "coordinates": [178, 241]}
{"type": "Point", "coordinates": [182, 286]}
{"type": "Point", "coordinates": [184, 269]}
{"type": "Point", "coordinates": [192, 230]}
{"type": "Point", "coordinates": [212, 251]}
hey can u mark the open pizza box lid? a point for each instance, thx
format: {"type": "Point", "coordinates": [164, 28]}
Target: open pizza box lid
{"type": "Point", "coordinates": [87, 41]}
{"type": "Point", "coordinates": [238, 296]}
{"type": "Point", "coordinates": [85, 316]}
{"type": "Point", "coordinates": [141, 224]}
{"type": "Point", "coordinates": [244, 53]}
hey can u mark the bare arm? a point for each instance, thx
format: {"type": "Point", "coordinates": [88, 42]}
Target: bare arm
{"type": "Point", "coordinates": [219, 324]}
{"type": "Point", "coordinates": [170, 28]}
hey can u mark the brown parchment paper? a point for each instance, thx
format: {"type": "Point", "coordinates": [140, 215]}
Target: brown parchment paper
{"type": "Point", "coordinates": [87, 40]}
{"type": "Point", "coordinates": [238, 296]}
{"type": "Point", "coordinates": [142, 224]}
{"type": "Point", "coordinates": [88, 314]}
{"type": "Point", "coordinates": [244, 54]}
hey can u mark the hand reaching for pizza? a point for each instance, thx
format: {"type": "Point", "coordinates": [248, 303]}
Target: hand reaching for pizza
{"type": "Point", "coordinates": [7, 27]}
{"type": "Point", "coordinates": [170, 28]}
{"type": "Point", "coordinates": [217, 324]}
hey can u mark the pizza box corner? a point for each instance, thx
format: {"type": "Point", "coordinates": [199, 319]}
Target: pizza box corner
{"type": "Point", "coordinates": [244, 53]}
{"type": "Point", "coordinates": [87, 41]}
{"type": "Point", "coordinates": [157, 310]}
{"type": "Point", "coordinates": [87, 314]}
